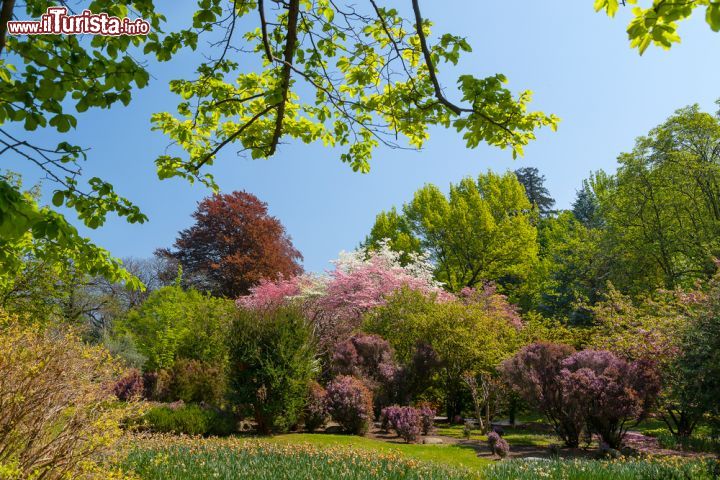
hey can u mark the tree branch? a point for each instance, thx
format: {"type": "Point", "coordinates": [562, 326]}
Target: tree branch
{"type": "Point", "coordinates": [429, 63]}
{"type": "Point", "coordinates": [263, 27]}
{"type": "Point", "coordinates": [232, 137]}
{"type": "Point", "coordinates": [5, 16]}
{"type": "Point", "coordinates": [288, 55]}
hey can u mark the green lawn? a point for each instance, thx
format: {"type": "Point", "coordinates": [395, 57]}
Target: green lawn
{"type": "Point", "coordinates": [447, 455]}
{"type": "Point", "coordinates": [514, 436]}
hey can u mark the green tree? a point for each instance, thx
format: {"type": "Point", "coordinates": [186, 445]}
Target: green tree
{"type": "Point", "coordinates": [585, 206]}
{"type": "Point", "coordinates": [572, 270]}
{"type": "Point", "coordinates": [535, 189]}
{"type": "Point", "coordinates": [467, 337]}
{"type": "Point", "coordinates": [272, 362]}
{"type": "Point", "coordinates": [175, 323]}
{"type": "Point", "coordinates": [482, 231]}
{"type": "Point", "coordinates": [657, 24]}
{"type": "Point", "coordinates": [29, 231]}
{"type": "Point", "coordinates": [662, 208]}
{"type": "Point", "coordinates": [698, 368]}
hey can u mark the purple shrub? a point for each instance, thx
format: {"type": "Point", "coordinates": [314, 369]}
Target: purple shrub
{"type": "Point", "coordinates": [385, 415]}
{"type": "Point", "coordinates": [492, 439]}
{"type": "Point", "coordinates": [364, 356]}
{"type": "Point", "coordinates": [427, 416]}
{"type": "Point", "coordinates": [370, 358]}
{"type": "Point", "coordinates": [130, 386]}
{"type": "Point", "coordinates": [498, 445]}
{"type": "Point", "coordinates": [406, 421]}
{"type": "Point", "coordinates": [611, 392]}
{"type": "Point", "coordinates": [534, 374]}
{"type": "Point", "coordinates": [349, 402]}
{"type": "Point", "coordinates": [502, 448]}
{"type": "Point", "coordinates": [315, 414]}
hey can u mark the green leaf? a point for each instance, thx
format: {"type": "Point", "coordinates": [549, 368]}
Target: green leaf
{"type": "Point", "coordinates": [58, 198]}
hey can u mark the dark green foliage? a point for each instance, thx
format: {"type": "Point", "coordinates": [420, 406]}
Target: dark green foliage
{"type": "Point", "coordinates": [586, 207]}
{"type": "Point", "coordinates": [272, 361]}
{"type": "Point", "coordinates": [572, 268]}
{"type": "Point", "coordinates": [535, 189]}
{"type": "Point", "coordinates": [698, 378]}
{"type": "Point", "coordinates": [188, 419]}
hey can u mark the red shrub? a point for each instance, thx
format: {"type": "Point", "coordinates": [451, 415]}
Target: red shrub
{"type": "Point", "coordinates": [533, 373]}
{"type": "Point", "coordinates": [130, 386]}
{"type": "Point", "coordinates": [315, 414]}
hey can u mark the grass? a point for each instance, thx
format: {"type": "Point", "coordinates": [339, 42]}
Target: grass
{"type": "Point", "coordinates": [700, 441]}
{"type": "Point", "coordinates": [514, 436]}
{"type": "Point", "coordinates": [284, 457]}
{"type": "Point", "coordinates": [456, 456]}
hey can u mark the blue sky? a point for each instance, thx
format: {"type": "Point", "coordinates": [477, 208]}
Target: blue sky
{"type": "Point", "coordinates": [577, 62]}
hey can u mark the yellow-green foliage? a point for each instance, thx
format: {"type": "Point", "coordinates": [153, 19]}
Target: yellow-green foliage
{"type": "Point", "coordinates": [175, 323]}
{"type": "Point", "coordinates": [56, 412]}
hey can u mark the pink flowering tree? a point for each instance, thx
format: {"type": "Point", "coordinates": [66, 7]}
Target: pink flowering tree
{"type": "Point", "coordinates": [360, 281]}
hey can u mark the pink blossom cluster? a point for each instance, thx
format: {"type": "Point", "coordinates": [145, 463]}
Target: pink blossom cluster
{"type": "Point", "coordinates": [360, 281]}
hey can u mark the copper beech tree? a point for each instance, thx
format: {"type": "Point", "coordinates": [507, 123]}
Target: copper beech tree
{"type": "Point", "coordinates": [233, 245]}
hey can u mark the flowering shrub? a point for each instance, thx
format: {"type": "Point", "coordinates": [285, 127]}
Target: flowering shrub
{"type": "Point", "coordinates": [269, 294]}
{"type": "Point", "coordinates": [610, 392]}
{"type": "Point", "coordinates": [350, 404]}
{"type": "Point", "coordinates": [360, 281]}
{"type": "Point", "coordinates": [498, 445]}
{"type": "Point", "coordinates": [130, 386]}
{"type": "Point", "coordinates": [533, 373]}
{"type": "Point", "coordinates": [57, 413]}
{"type": "Point", "coordinates": [406, 422]}
{"type": "Point", "coordinates": [427, 416]}
{"type": "Point", "coordinates": [385, 415]}
{"type": "Point", "coordinates": [315, 414]}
